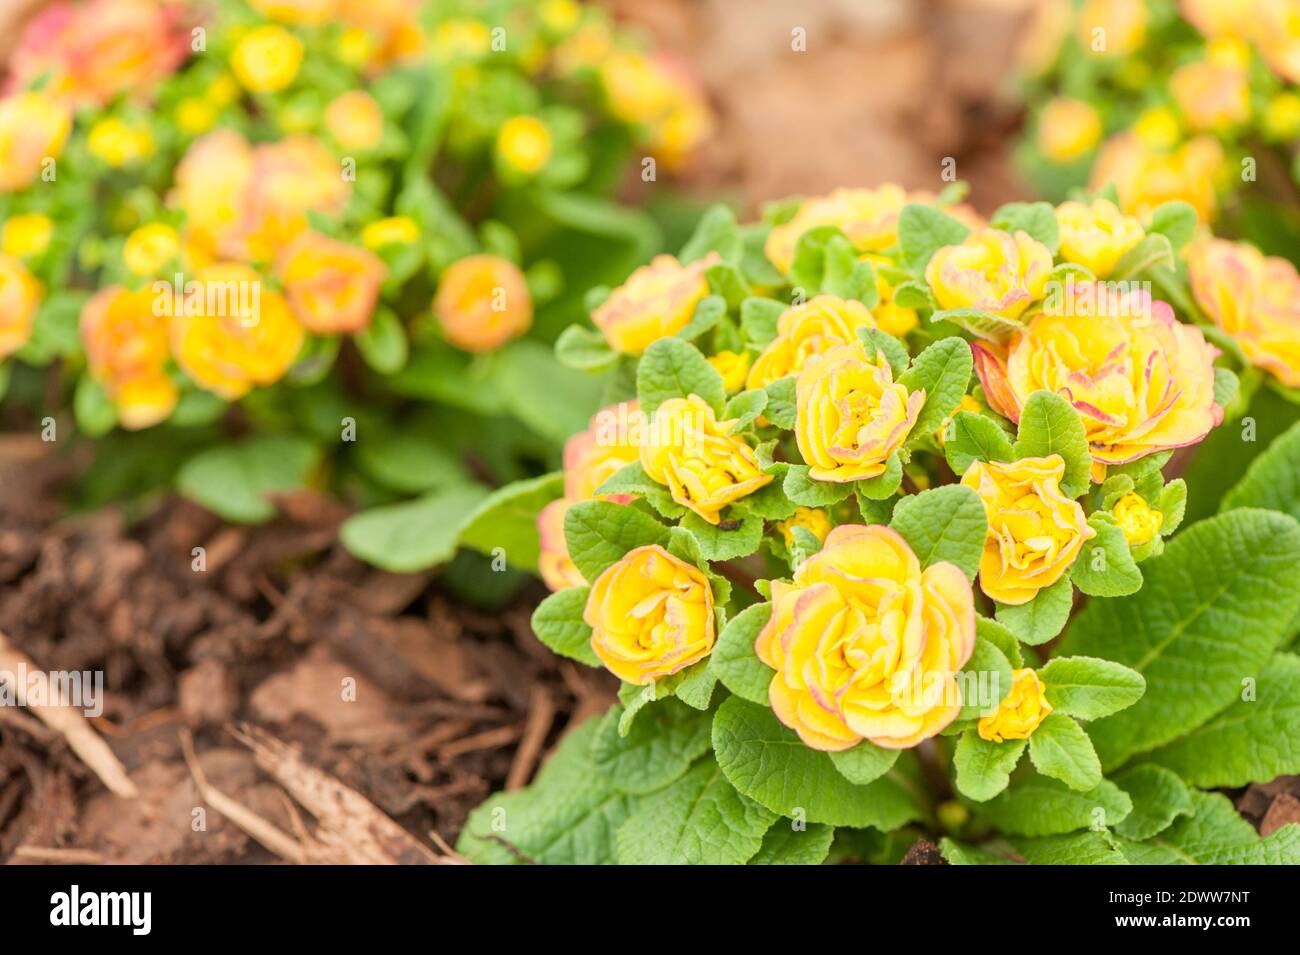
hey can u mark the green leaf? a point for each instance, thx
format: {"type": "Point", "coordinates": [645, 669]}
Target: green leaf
{"type": "Point", "coordinates": [758, 319]}
{"type": "Point", "coordinates": [506, 520]}
{"type": "Point", "coordinates": [744, 408]}
{"type": "Point", "coordinates": [944, 371]}
{"type": "Point", "coordinates": [541, 392]}
{"type": "Point", "coordinates": [599, 533]}
{"type": "Point", "coordinates": [716, 232]}
{"type": "Point", "coordinates": [883, 485]}
{"type": "Point", "coordinates": [408, 461]}
{"type": "Point", "coordinates": [865, 763]}
{"type": "Point", "coordinates": [658, 749]}
{"type": "Point", "coordinates": [235, 481]}
{"type": "Point", "coordinates": [1089, 688]}
{"type": "Point", "coordinates": [1214, 607]}
{"type": "Point", "coordinates": [785, 845]}
{"type": "Point", "coordinates": [1173, 505]}
{"type": "Point", "coordinates": [736, 536]}
{"type": "Point", "coordinates": [1049, 425]}
{"type": "Point", "coordinates": [1042, 618]}
{"type": "Point", "coordinates": [769, 763]}
{"type": "Point", "coordinates": [412, 535]}
{"type": "Point", "coordinates": [882, 343]}
{"type": "Point", "coordinates": [806, 492]}
{"type": "Point", "coordinates": [733, 659]}
{"type": "Point", "coordinates": [672, 368]}
{"type": "Point", "coordinates": [1038, 806]}
{"type": "Point", "coordinates": [1076, 848]}
{"type": "Point", "coordinates": [584, 349]}
{"type": "Point", "coordinates": [1273, 479]}
{"type": "Point", "coordinates": [923, 230]}
{"type": "Point", "coordinates": [985, 679]}
{"type": "Point", "coordinates": [1253, 741]}
{"type": "Point", "coordinates": [978, 322]}
{"type": "Point", "coordinates": [383, 342]}
{"type": "Point", "coordinates": [1105, 567]}
{"type": "Point", "coordinates": [1002, 638]}
{"type": "Point", "coordinates": [93, 410]}
{"type": "Point", "coordinates": [1036, 218]}
{"type": "Point", "coordinates": [1061, 749]}
{"type": "Point", "coordinates": [1154, 251]}
{"type": "Point", "coordinates": [983, 767]}
{"type": "Point", "coordinates": [1159, 797]}
{"type": "Point", "coordinates": [568, 816]}
{"type": "Point", "coordinates": [708, 313]}
{"type": "Point", "coordinates": [1226, 384]}
{"type": "Point", "coordinates": [913, 294]}
{"type": "Point", "coordinates": [693, 686]}
{"type": "Point", "coordinates": [944, 524]}
{"type": "Point", "coordinates": [1215, 834]}
{"type": "Point", "coordinates": [975, 437]}
{"type": "Point", "coordinates": [781, 403]}
{"type": "Point", "coordinates": [1175, 220]}
{"type": "Point", "coordinates": [698, 820]}
{"type": "Point", "coordinates": [558, 623]}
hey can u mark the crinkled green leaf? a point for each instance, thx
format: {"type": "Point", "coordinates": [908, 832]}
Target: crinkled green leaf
{"type": "Point", "coordinates": [944, 524]}
{"type": "Point", "coordinates": [733, 658]}
{"type": "Point", "coordinates": [923, 230]}
{"type": "Point", "coordinates": [659, 747]}
{"type": "Point", "coordinates": [558, 623]}
{"type": "Point", "coordinates": [735, 535]}
{"type": "Point", "coordinates": [770, 764]}
{"type": "Point", "coordinates": [943, 370]}
{"type": "Point", "coordinates": [1214, 607]}
{"type": "Point", "coordinates": [672, 368]}
{"type": "Point", "coordinates": [1252, 741]}
{"type": "Point", "coordinates": [1049, 425]}
{"type": "Point", "coordinates": [983, 767]}
{"type": "Point", "coordinates": [599, 533]}
{"type": "Point", "coordinates": [1215, 834]}
{"type": "Point", "coordinates": [1105, 566]}
{"type": "Point", "coordinates": [1089, 688]}
{"type": "Point", "coordinates": [568, 816]}
{"type": "Point", "coordinates": [1061, 749]}
{"type": "Point", "coordinates": [784, 844]}
{"type": "Point", "coordinates": [1159, 797]}
{"type": "Point", "coordinates": [974, 437]}
{"type": "Point", "coordinates": [1042, 618]}
{"type": "Point", "coordinates": [1037, 806]}
{"type": "Point", "coordinates": [415, 534]}
{"type": "Point", "coordinates": [807, 492]}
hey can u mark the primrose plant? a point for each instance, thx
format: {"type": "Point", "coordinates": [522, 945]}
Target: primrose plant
{"type": "Point", "coordinates": [867, 461]}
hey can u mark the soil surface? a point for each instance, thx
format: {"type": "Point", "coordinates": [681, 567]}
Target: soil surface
{"type": "Point", "coordinates": [387, 689]}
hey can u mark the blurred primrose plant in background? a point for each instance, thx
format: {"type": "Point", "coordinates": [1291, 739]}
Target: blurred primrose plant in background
{"type": "Point", "coordinates": [1152, 101]}
{"type": "Point", "coordinates": [322, 243]}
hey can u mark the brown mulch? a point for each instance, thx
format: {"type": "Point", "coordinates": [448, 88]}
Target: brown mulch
{"type": "Point", "coordinates": [307, 681]}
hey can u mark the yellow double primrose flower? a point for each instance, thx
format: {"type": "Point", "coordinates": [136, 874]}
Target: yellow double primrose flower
{"type": "Point", "coordinates": [1096, 234]}
{"type": "Point", "coordinates": [126, 342]}
{"type": "Point", "coordinates": [1139, 521]}
{"type": "Point", "coordinates": [1068, 129]}
{"type": "Point", "coordinates": [1035, 532]}
{"type": "Point", "coordinates": [850, 414]}
{"type": "Point", "coordinates": [991, 270]}
{"type": "Point", "coordinates": [591, 457]}
{"type": "Point", "coordinates": [651, 614]}
{"type": "Point", "coordinates": [266, 59]}
{"type": "Point", "coordinates": [704, 466]}
{"type": "Point", "coordinates": [1254, 298]}
{"type": "Point", "coordinates": [866, 644]}
{"type": "Point", "coordinates": [1141, 381]}
{"type": "Point", "coordinates": [332, 286]}
{"type": "Point", "coordinates": [33, 129]}
{"type": "Point", "coordinates": [26, 236]}
{"type": "Point", "coordinates": [867, 217]}
{"type": "Point", "coordinates": [1020, 712]}
{"type": "Point", "coordinates": [657, 301]}
{"type": "Point", "coordinates": [20, 297]}
{"type": "Point", "coordinates": [230, 334]}
{"type": "Point", "coordinates": [806, 330]}
{"type": "Point", "coordinates": [482, 302]}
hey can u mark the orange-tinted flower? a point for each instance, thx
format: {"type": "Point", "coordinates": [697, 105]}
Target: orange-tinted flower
{"type": "Point", "coordinates": [125, 338]}
{"type": "Point", "coordinates": [332, 286]}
